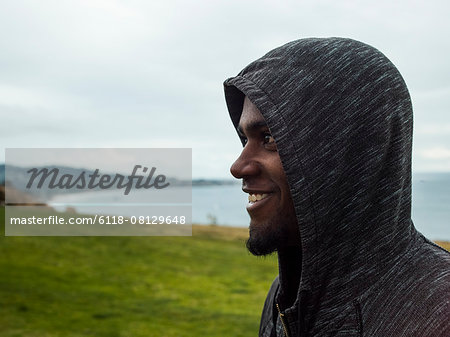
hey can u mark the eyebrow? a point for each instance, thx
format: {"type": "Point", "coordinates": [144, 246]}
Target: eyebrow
{"type": "Point", "coordinates": [256, 125]}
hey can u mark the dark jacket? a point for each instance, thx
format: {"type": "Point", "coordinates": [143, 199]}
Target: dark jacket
{"type": "Point", "coordinates": [341, 116]}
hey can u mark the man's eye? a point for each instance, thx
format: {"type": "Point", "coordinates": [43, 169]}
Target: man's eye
{"type": "Point", "coordinates": [268, 139]}
{"type": "Point", "coordinates": [244, 140]}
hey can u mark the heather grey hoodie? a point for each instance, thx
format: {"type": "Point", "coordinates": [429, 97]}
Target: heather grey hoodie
{"type": "Point", "coordinates": [341, 116]}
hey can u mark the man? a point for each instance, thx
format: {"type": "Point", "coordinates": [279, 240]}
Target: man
{"type": "Point", "coordinates": [326, 126]}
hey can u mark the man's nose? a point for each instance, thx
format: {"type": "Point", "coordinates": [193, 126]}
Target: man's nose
{"type": "Point", "coordinates": [245, 165]}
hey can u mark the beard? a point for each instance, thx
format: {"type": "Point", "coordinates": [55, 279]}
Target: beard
{"type": "Point", "coordinates": [268, 237]}
{"type": "Point", "coordinates": [264, 241]}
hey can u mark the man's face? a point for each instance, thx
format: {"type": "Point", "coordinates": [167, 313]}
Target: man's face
{"type": "Point", "coordinates": [273, 223]}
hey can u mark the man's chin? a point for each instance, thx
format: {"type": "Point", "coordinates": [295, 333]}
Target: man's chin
{"type": "Point", "coordinates": [257, 248]}
{"type": "Point", "coordinates": [264, 239]}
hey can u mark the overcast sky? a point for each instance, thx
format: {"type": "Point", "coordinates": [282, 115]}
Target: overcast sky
{"type": "Point", "coordinates": [106, 73]}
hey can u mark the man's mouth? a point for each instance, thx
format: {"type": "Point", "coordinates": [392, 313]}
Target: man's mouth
{"type": "Point", "coordinates": [252, 198]}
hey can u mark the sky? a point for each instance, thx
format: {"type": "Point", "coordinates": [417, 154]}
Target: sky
{"type": "Point", "coordinates": [98, 73]}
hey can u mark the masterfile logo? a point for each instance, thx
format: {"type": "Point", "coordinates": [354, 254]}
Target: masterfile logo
{"type": "Point", "coordinates": [98, 191]}
{"type": "Point", "coordinates": [97, 180]}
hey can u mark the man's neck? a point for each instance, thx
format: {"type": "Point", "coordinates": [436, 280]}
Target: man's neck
{"type": "Point", "coordinates": [290, 268]}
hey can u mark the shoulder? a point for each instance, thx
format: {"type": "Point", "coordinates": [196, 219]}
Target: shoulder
{"type": "Point", "coordinates": [414, 297]}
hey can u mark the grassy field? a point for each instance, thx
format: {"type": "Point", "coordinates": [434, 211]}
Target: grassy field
{"type": "Point", "coordinates": [204, 285]}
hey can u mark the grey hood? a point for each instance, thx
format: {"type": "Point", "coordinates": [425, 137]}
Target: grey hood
{"type": "Point", "coordinates": [341, 116]}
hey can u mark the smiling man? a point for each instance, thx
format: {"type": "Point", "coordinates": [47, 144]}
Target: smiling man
{"type": "Point", "coordinates": [273, 221]}
{"type": "Point", "coordinates": [326, 126]}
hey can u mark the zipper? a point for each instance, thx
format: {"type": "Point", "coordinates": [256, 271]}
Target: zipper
{"type": "Point", "coordinates": [282, 321]}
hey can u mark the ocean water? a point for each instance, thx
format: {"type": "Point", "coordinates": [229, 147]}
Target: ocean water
{"type": "Point", "coordinates": [431, 205]}
{"type": "Point", "coordinates": [225, 205]}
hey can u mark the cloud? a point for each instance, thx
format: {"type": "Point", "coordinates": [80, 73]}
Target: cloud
{"type": "Point", "coordinates": [433, 159]}
{"type": "Point", "coordinates": [436, 153]}
{"type": "Point", "coordinates": [112, 73]}
{"type": "Point", "coordinates": [433, 129]}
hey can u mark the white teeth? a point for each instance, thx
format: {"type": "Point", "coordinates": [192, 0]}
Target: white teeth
{"type": "Point", "coordinates": [256, 197]}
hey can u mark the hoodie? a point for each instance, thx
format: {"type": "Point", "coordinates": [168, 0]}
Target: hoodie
{"type": "Point", "coordinates": [341, 116]}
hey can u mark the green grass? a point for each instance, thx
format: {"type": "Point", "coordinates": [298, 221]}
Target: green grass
{"type": "Point", "coordinates": [204, 285]}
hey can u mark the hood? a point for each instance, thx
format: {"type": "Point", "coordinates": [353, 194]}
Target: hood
{"type": "Point", "coordinates": [341, 116]}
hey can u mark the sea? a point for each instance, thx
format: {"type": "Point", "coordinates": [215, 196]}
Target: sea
{"type": "Point", "coordinates": [225, 204]}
